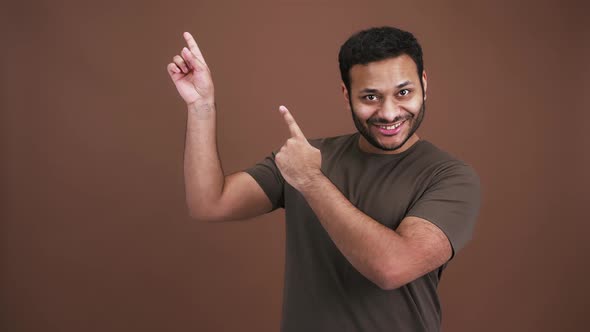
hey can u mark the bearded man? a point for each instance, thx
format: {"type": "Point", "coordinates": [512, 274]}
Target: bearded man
{"type": "Point", "coordinates": [372, 218]}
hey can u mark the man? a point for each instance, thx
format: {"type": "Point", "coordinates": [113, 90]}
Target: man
{"type": "Point", "coordinates": [372, 218]}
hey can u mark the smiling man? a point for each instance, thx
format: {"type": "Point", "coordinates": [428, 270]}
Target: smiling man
{"type": "Point", "coordinates": [389, 102]}
{"type": "Point", "coordinates": [372, 218]}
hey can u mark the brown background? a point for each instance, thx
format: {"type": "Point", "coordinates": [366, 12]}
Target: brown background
{"type": "Point", "coordinates": [95, 234]}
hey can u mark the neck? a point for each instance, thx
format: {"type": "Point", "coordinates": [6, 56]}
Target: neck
{"type": "Point", "coordinates": [368, 147]}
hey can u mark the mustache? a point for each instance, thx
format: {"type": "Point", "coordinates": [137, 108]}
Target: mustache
{"type": "Point", "coordinates": [378, 121]}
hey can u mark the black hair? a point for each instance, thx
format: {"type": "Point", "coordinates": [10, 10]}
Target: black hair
{"type": "Point", "coordinates": [377, 44]}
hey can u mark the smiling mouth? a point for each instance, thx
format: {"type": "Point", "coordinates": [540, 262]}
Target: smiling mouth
{"type": "Point", "coordinates": [390, 127]}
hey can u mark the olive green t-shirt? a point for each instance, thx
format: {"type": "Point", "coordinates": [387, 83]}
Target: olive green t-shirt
{"type": "Point", "coordinates": [322, 290]}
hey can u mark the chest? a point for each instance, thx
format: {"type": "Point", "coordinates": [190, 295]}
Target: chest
{"type": "Point", "coordinates": [385, 191]}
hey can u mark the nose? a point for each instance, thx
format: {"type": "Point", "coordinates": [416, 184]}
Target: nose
{"type": "Point", "coordinates": [390, 111]}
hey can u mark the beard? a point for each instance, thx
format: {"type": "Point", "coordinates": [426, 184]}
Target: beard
{"type": "Point", "coordinates": [363, 128]}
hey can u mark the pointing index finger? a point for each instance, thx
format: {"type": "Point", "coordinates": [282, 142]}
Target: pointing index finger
{"type": "Point", "coordinates": [192, 45]}
{"type": "Point", "coordinates": [293, 127]}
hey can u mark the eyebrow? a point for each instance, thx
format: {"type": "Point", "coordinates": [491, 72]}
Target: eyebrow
{"type": "Point", "coordinates": [371, 90]}
{"type": "Point", "coordinates": [402, 84]}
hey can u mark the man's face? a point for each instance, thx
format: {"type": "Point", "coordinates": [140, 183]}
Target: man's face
{"type": "Point", "coordinates": [387, 103]}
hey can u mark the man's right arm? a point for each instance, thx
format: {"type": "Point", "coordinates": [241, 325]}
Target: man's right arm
{"type": "Point", "coordinates": [210, 195]}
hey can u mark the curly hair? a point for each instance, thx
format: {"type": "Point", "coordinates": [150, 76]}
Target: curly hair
{"type": "Point", "coordinates": [377, 44]}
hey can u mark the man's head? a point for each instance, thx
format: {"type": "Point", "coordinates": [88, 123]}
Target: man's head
{"type": "Point", "coordinates": [384, 84]}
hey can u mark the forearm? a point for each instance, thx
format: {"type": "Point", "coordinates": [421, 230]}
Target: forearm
{"type": "Point", "coordinates": [203, 174]}
{"type": "Point", "coordinates": [366, 243]}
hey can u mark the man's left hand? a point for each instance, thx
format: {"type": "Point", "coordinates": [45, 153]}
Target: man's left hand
{"type": "Point", "coordinates": [299, 162]}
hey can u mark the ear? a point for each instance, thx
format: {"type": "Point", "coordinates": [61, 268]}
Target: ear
{"type": "Point", "coordinates": [346, 97]}
{"type": "Point", "coordinates": [424, 82]}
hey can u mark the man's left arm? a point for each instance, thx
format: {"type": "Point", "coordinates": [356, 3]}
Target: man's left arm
{"type": "Point", "coordinates": [388, 258]}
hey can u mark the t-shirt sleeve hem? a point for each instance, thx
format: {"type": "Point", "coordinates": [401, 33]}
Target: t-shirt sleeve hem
{"type": "Point", "coordinates": [263, 180]}
{"type": "Point", "coordinates": [453, 244]}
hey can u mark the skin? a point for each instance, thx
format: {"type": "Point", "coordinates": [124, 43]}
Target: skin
{"type": "Point", "coordinates": [383, 93]}
{"type": "Point", "coordinates": [389, 258]}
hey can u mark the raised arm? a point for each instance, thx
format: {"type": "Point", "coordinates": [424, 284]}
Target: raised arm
{"type": "Point", "coordinates": [210, 195]}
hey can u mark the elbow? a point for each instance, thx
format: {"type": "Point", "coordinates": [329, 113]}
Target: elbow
{"type": "Point", "coordinates": [196, 216]}
{"type": "Point", "coordinates": [200, 215]}
{"type": "Point", "coordinates": [389, 280]}
{"type": "Point", "coordinates": [202, 209]}
{"type": "Point", "coordinates": [390, 285]}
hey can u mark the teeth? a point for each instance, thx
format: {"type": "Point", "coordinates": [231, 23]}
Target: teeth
{"type": "Point", "coordinates": [392, 127]}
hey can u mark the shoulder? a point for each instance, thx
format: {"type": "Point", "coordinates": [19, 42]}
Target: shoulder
{"type": "Point", "coordinates": [443, 165]}
{"type": "Point", "coordinates": [329, 143]}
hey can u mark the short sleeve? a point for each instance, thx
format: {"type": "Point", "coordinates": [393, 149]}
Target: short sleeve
{"type": "Point", "coordinates": [270, 179]}
{"type": "Point", "coordinates": [451, 201]}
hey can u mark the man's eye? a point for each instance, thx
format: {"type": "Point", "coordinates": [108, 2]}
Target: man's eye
{"type": "Point", "coordinates": [404, 92]}
{"type": "Point", "coordinates": [371, 97]}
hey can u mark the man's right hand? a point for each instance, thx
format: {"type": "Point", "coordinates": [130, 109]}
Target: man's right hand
{"type": "Point", "coordinates": [190, 74]}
